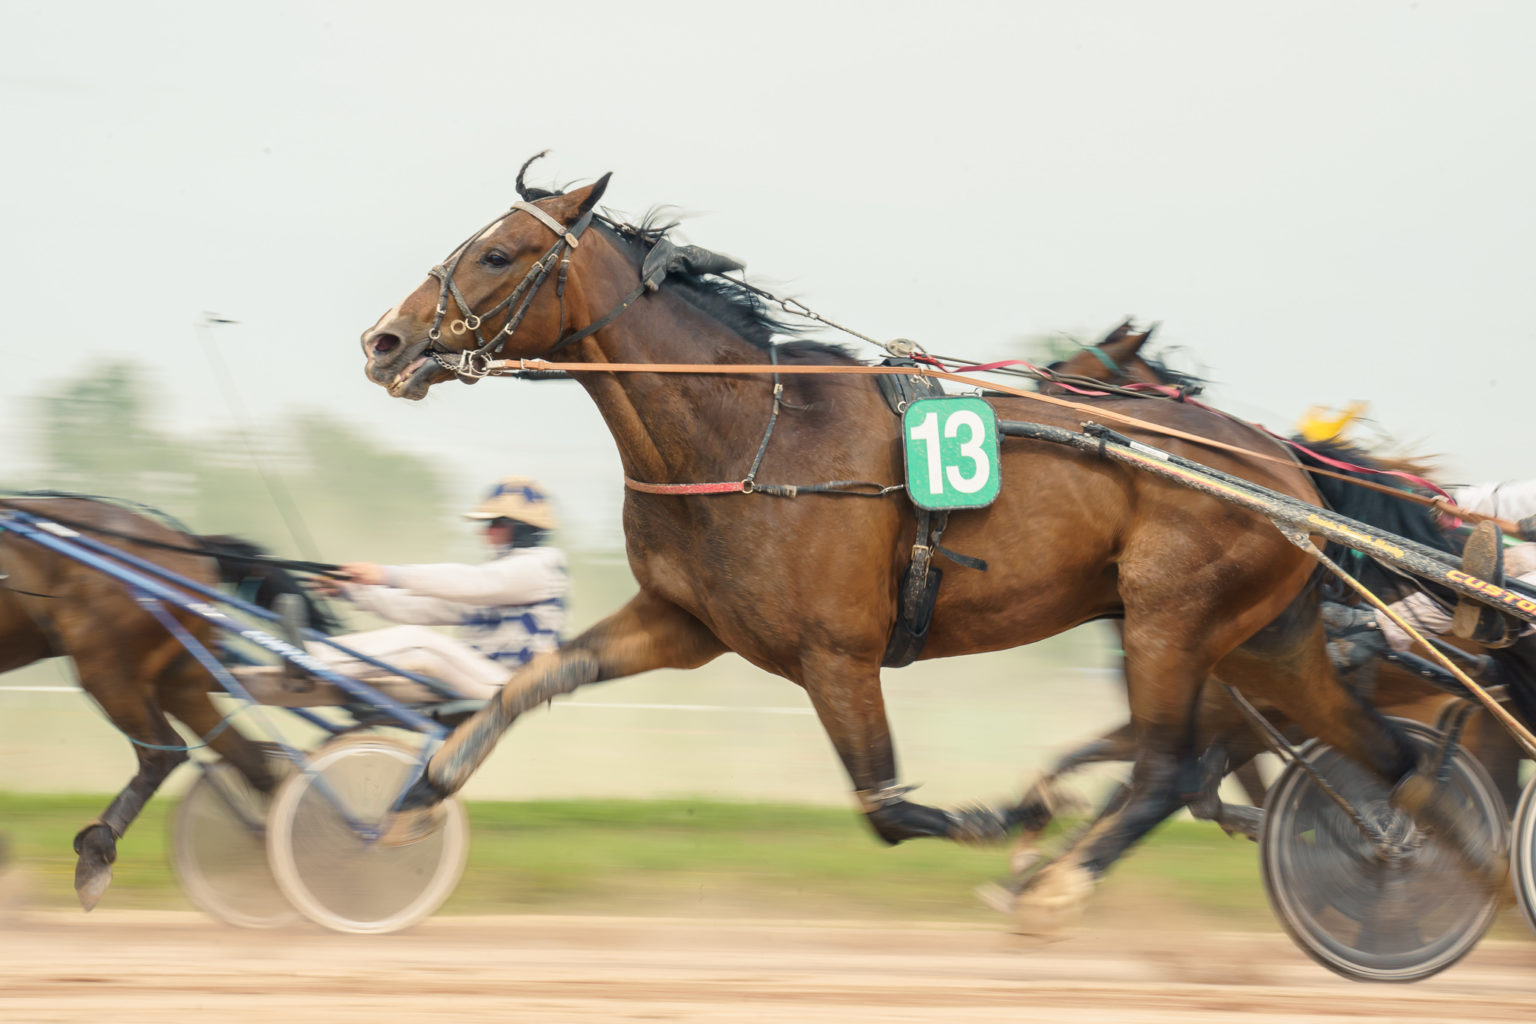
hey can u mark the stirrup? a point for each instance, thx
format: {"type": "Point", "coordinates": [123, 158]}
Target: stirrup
{"type": "Point", "coordinates": [1483, 557]}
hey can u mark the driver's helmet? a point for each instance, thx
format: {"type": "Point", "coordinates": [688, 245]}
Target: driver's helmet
{"type": "Point", "coordinates": [1319, 424]}
{"type": "Point", "coordinates": [519, 498]}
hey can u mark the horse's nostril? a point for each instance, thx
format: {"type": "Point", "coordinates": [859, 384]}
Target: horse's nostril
{"type": "Point", "coordinates": [383, 344]}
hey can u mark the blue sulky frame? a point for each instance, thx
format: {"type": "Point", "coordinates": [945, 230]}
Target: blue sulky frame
{"type": "Point", "coordinates": [155, 587]}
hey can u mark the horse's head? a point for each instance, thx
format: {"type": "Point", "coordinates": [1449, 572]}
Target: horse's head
{"type": "Point", "coordinates": [501, 294]}
{"type": "Point", "coordinates": [1118, 361]}
{"type": "Point", "coordinates": [1115, 360]}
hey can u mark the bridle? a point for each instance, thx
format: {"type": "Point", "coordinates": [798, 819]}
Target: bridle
{"type": "Point", "coordinates": [475, 362]}
{"type": "Point", "coordinates": [664, 257]}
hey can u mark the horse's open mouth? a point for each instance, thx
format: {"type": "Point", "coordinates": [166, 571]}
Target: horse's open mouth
{"type": "Point", "coordinates": [414, 379]}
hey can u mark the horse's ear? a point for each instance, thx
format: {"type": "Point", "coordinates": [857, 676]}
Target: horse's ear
{"type": "Point", "coordinates": [594, 193]}
{"type": "Point", "coordinates": [1125, 341]}
{"type": "Point", "coordinates": [1118, 334]}
{"type": "Point", "coordinates": [572, 205]}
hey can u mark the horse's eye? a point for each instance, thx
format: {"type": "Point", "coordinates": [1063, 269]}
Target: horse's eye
{"type": "Point", "coordinates": [495, 259]}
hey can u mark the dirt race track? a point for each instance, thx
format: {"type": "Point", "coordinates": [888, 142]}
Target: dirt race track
{"type": "Point", "coordinates": [136, 968]}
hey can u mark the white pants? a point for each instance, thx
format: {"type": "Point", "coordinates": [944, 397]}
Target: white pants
{"type": "Point", "coordinates": [1424, 614]}
{"type": "Point", "coordinates": [420, 650]}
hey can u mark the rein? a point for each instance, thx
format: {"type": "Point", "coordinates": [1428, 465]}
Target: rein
{"type": "Point", "coordinates": [509, 367]}
{"type": "Point", "coordinates": [318, 568]}
{"type": "Point", "coordinates": [472, 364]}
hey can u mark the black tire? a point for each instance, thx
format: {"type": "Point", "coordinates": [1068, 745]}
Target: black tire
{"type": "Point", "coordinates": [1375, 911]}
{"type": "Point", "coordinates": [1523, 857]}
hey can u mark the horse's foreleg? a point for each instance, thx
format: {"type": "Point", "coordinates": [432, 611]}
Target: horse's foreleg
{"type": "Point", "coordinates": [845, 691]}
{"type": "Point", "coordinates": [647, 633]}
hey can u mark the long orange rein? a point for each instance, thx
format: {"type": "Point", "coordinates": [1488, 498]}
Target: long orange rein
{"type": "Point", "coordinates": [502, 367]}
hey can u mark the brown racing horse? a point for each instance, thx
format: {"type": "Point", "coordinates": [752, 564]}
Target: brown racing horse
{"type": "Point", "coordinates": [138, 673]}
{"type": "Point", "coordinates": [1120, 360]}
{"type": "Point", "coordinates": [807, 586]}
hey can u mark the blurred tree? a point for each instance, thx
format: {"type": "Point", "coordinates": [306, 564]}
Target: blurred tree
{"type": "Point", "coordinates": [97, 436]}
{"type": "Point", "coordinates": [355, 497]}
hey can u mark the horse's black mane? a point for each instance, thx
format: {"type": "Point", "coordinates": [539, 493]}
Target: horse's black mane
{"type": "Point", "coordinates": [733, 303]}
{"type": "Point", "coordinates": [1394, 515]}
{"type": "Point", "coordinates": [1175, 378]}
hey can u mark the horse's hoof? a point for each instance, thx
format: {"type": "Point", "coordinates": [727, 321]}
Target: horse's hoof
{"type": "Point", "coordinates": [97, 848]}
{"type": "Point", "coordinates": [1024, 856]}
{"type": "Point", "coordinates": [1242, 821]}
{"type": "Point", "coordinates": [977, 826]}
{"type": "Point", "coordinates": [422, 795]}
{"type": "Point", "coordinates": [996, 897]}
{"type": "Point", "coordinates": [412, 825]}
{"type": "Point", "coordinates": [1054, 899]}
{"type": "Point", "coordinates": [91, 881]}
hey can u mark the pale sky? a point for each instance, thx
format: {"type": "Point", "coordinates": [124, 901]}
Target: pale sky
{"type": "Point", "coordinates": [1320, 201]}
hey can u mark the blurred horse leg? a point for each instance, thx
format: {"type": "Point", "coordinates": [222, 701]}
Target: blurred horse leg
{"type": "Point", "coordinates": [1300, 685]}
{"type": "Point", "coordinates": [1045, 799]}
{"type": "Point", "coordinates": [182, 689]}
{"type": "Point", "coordinates": [127, 700]}
{"type": "Point", "coordinates": [844, 687]}
{"type": "Point", "coordinates": [647, 633]}
{"type": "Point", "coordinates": [1164, 683]}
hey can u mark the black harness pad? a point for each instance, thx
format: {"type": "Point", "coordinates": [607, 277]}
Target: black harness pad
{"type": "Point", "coordinates": [901, 390]}
{"type": "Point", "coordinates": [919, 588]}
{"type": "Point", "coordinates": [667, 257]}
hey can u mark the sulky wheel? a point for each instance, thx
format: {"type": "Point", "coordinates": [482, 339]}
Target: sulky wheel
{"type": "Point", "coordinates": [219, 851]}
{"type": "Point", "coordinates": [1396, 908]}
{"type": "Point", "coordinates": [322, 840]}
{"type": "Point", "coordinates": [1523, 857]}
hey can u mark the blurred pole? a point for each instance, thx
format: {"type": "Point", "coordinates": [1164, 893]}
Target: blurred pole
{"type": "Point", "coordinates": [274, 484]}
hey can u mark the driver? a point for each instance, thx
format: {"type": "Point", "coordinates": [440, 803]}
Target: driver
{"type": "Point", "coordinates": [1359, 635]}
{"type": "Point", "coordinates": [507, 609]}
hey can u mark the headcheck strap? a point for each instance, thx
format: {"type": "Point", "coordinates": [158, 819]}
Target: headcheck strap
{"type": "Point", "coordinates": [571, 236]}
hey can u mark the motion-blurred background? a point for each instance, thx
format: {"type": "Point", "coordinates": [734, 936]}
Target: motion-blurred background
{"type": "Point", "coordinates": [205, 205]}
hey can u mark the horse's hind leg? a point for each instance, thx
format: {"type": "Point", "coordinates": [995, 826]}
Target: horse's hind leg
{"type": "Point", "coordinates": [1165, 681]}
{"type": "Point", "coordinates": [1300, 683]}
{"type": "Point", "coordinates": [1044, 799]}
{"type": "Point", "coordinates": [183, 692]}
{"type": "Point", "coordinates": [1207, 805]}
{"type": "Point", "coordinates": [132, 708]}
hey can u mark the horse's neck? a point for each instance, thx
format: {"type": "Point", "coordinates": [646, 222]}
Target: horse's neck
{"type": "Point", "coordinates": [672, 427]}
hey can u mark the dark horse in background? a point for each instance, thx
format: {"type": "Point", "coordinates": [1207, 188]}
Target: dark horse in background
{"type": "Point", "coordinates": [807, 587]}
{"type": "Point", "coordinates": [1121, 360]}
{"type": "Point", "coordinates": [52, 606]}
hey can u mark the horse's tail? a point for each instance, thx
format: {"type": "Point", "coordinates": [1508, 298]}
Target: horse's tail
{"type": "Point", "coordinates": [1403, 516]}
{"type": "Point", "coordinates": [249, 567]}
